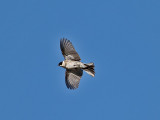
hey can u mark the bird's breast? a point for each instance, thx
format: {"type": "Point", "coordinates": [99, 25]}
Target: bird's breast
{"type": "Point", "coordinates": [73, 64]}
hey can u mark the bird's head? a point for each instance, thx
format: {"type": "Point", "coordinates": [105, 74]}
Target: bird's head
{"type": "Point", "coordinates": [60, 64]}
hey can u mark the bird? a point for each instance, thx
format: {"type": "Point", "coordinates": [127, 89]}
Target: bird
{"type": "Point", "coordinates": [74, 68]}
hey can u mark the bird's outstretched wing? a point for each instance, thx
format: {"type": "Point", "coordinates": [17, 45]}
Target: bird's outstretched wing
{"type": "Point", "coordinates": [68, 50]}
{"type": "Point", "coordinates": [72, 78]}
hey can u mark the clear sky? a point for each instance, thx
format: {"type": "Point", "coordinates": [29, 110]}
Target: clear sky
{"type": "Point", "coordinates": [122, 38]}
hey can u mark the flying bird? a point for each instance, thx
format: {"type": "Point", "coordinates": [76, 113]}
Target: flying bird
{"type": "Point", "coordinates": [74, 68]}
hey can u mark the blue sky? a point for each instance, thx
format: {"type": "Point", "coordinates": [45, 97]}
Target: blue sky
{"type": "Point", "coordinates": [122, 38]}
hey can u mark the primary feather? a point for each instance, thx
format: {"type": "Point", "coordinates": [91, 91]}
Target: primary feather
{"type": "Point", "coordinates": [68, 50]}
{"type": "Point", "coordinates": [72, 78]}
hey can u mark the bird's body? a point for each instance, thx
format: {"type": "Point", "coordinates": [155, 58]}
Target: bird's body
{"type": "Point", "coordinates": [74, 68]}
{"type": "Point", "coordinates": [70, 64]}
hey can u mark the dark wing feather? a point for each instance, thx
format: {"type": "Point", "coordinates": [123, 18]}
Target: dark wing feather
{"type": "Point", "coordinates": [72, 78]}
{"type": "Point", "coordinates": [68, 50]}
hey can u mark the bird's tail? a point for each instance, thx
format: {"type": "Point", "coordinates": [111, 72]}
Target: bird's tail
{"type": "Point", "coordinates": [89, 68]}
